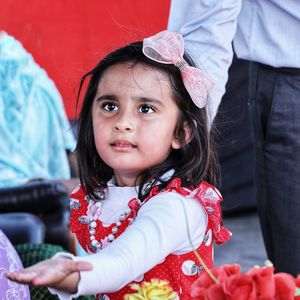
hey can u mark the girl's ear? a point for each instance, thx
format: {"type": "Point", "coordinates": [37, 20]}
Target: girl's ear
{"type": "Point", "coordinates": [176, 144]}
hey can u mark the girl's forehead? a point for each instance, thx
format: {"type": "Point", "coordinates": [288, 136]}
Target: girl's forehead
{"type": "Point", "coordinates": [134, 74]}
{"type": "Point", "coordinates": [134, 68]}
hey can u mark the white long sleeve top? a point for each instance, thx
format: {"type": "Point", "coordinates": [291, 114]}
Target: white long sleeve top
{"type": "Point", "coordinates": [161, 227]}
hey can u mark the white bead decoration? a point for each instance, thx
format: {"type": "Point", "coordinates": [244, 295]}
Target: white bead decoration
{"type": "Point", "coordinates": [95, 245]}
{"type": "Point", "coordinates": [93, 224]}
{"type": "Point", "coordinates": [110, 237]}
{"type": "Point", "coordinates": [94, 242]}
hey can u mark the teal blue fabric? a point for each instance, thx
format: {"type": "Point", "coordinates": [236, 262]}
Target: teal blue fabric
{"type": "Point", "coordinates": [34, 130]}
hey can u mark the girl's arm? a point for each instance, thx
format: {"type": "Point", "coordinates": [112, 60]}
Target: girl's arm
{"type": "Point", "coordinates": [61, 273]}
{"type": "Point", "coordinates": [161, 228]}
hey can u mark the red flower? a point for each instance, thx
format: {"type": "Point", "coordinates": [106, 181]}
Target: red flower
{"type": "Point", "coordinates": [216, 292]}
{"type": "Point", "coordinates": [225, 271]}
{"type": "Point", "coordinates": [258, 283]}
{"type": "Point", "coordinates": [264, 281]}
{"type": "Point", "coordinates": [285, 286]}
{"type": "Point", "coordinates": [213, 292]}
{"type": "Point", "coordinates": [205, 287]}
{"type": "Point", "coordinates": [240, 287]}
{"type": "Point", "coordinates": [202, 287]}
{"type": "Point", "coordinates": [297, 281]}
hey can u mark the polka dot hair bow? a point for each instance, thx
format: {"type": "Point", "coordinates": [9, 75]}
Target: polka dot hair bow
{"type": "Point", "coordinates": [167, 48]}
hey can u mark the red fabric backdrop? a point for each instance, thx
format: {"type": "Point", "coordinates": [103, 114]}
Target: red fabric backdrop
{"type": "Point", "coordinates": [68, 37]}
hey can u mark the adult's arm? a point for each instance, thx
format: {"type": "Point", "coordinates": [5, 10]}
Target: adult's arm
{"type": "Point", "coordinates": [208, 27]}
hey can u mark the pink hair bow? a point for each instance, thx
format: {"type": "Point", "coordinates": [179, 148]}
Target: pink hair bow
{"type": "Point", "coordinates": [167, 48]}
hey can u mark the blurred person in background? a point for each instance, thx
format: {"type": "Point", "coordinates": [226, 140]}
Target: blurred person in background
{"type": "Point", "coordinates": [36, 138]}
{"type": "Point", "coordinates": [266, 33]}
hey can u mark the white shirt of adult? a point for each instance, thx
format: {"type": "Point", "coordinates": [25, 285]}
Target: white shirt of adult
{"type": "Point", "coordinates": [263, 31]}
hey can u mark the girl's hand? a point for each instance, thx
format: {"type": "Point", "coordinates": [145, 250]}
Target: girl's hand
{"type": "Point", "coordinates": [60, 273]}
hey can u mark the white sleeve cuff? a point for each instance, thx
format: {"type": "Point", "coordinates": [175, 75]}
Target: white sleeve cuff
{"type": "Point", "coordinates": [61, 294]}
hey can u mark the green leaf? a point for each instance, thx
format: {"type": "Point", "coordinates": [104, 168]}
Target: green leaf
{"type": "Point", "coordinates": [297, 292]}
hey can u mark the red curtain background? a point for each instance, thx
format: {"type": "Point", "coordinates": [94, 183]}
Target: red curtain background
{"type": "Point", "coordinates": [68, 37]}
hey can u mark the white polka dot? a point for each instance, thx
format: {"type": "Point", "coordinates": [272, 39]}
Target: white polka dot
{"type": "Point", "coordinates": [188, 268]}
{"type": "Point", "coordinates": [211, 195]}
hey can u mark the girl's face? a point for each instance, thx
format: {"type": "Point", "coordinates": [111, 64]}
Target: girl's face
{"type": "Point", "coordinates": [134, 119]}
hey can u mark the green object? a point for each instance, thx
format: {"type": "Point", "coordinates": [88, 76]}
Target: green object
{"type": "Point", "coordinates": [31, 254]}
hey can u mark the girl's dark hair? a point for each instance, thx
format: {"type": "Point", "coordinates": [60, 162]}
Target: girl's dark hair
{"type": "Point", "coordinates": [193, 162]}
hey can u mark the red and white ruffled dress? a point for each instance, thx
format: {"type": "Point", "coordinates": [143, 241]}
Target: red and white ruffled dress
{"type": "Point", "coordinates": [180, 270]}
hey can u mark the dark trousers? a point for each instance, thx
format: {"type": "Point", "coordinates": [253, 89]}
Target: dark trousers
{"type": "Point", "coordinates": [275, 114]}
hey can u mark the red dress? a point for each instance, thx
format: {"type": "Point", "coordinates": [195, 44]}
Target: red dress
{"type": "Point", "coordinates": [179, 270]}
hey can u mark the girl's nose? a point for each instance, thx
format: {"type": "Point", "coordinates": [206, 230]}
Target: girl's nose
{"type": "Point", "coordinates": [123, 125]}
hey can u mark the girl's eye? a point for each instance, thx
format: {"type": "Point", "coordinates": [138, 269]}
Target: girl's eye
{"type": "Point", "coordinates": [109, 106]}
{"type": "Point", "coordinates": [146, 109]}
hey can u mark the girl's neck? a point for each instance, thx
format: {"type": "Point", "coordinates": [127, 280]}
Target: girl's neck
{"type": "Point", "coordinates": [125, 180]}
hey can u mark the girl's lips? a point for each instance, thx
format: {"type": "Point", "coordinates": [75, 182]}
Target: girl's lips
{"type": "Point", "coordinates": [122, 145]}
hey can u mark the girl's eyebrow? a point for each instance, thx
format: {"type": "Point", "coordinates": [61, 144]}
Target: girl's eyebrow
{"type": "Point", "coordinates": [139, 99]}
{"type": "Point", "coordinates": [150, 100]}
{"type": "Point", "coordinates": [106, 97]}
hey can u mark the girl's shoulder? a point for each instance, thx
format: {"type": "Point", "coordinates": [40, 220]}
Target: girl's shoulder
{"type": "Point", "coordinates": [77, 192]}
{"type": "Point", "coordinates": [204, 191]}
{"type": "Point", "coordinates": [78, 199]}
{"type": "Point", "coordinates": [207, 195]}
{"type": "Point", "coordinates": [207, 192]}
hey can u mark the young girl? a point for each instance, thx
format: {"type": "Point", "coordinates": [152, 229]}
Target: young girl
{"type": "Point", "coordinates": [145, 159]}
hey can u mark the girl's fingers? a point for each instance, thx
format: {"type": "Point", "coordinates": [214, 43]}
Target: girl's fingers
{"type": "Point", "coordinates": [47, 273]}
{"type": "Point", "coordinates": [22, 277]}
